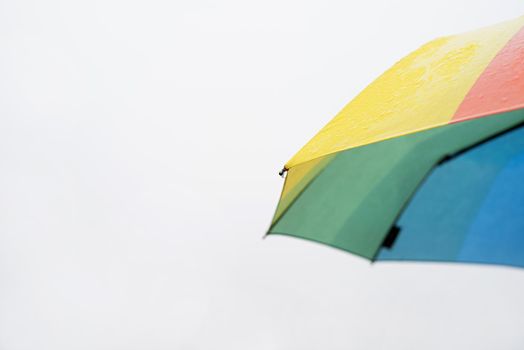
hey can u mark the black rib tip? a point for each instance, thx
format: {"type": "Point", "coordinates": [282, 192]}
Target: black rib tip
{"type": "Point", "coordinates": [391, 237]}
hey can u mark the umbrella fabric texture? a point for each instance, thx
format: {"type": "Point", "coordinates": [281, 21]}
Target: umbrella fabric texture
{"type": "Point", "coordinates": [424, 164]}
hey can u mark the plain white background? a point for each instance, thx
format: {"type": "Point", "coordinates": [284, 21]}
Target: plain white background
{"type": "Point", "coordinates": [139, 148]}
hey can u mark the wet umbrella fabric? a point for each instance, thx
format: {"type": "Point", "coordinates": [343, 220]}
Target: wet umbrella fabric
{"type": "Point", "coordinates": [425, 163]}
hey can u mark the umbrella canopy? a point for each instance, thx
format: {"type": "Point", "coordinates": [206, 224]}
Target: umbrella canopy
{"type": "Point", "coordinates": [425, 163]}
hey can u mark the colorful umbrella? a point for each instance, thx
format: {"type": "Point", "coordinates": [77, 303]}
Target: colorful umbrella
{"type": "Point", "coordinates": [426, 163]}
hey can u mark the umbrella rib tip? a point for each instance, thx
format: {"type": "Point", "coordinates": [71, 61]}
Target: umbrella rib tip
{"type": "Point", "coordinates": [282, 172]}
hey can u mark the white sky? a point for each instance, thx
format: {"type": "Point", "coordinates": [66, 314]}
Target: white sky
{"type": "Point", "coordinates": [139, 146]}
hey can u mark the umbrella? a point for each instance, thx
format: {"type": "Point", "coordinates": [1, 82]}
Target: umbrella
{"type": "Point", "coordinates": [426, 163]}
